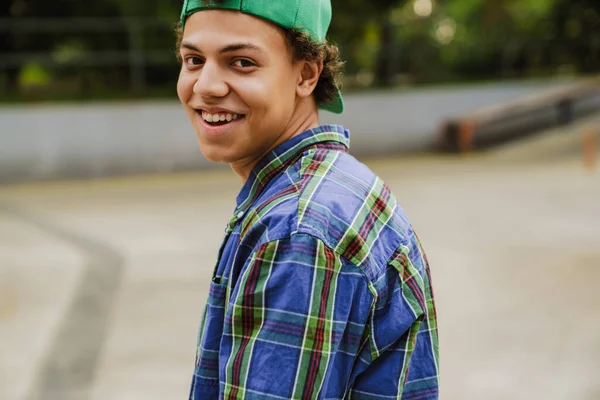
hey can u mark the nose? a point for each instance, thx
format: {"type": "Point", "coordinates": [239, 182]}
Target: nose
{"type": "Point", "coordinates": [211, 82]}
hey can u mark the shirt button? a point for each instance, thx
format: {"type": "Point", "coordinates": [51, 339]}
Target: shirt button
{"type": "Point", "coordinates": [240, 215]}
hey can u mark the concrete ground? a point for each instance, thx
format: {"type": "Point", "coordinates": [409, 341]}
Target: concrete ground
{"type": "Point", "coordinates": [102, 282]}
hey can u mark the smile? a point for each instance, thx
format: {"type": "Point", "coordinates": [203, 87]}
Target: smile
{"type": "Point", "coordinates": [219, 119]}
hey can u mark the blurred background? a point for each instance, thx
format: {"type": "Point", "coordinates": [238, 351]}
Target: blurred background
{"type": "Point", "coordinates": [66, 50]}
{"type": "Point", "coordinates": [482, 115]}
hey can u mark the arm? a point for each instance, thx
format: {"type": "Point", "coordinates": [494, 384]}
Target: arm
{"type": "Point", "coordinates": [294, 323]}
{"type": "Point", "coordinates": [403, 347]}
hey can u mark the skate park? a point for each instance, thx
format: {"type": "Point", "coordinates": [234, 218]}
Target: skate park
{"type": "Point", "coordinates": [483, 117]}
{"type": "Point", "coordinates": [104, 277]}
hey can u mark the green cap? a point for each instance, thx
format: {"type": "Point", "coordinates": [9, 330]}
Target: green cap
{"type": "Point", "coordinates": [312, 16]}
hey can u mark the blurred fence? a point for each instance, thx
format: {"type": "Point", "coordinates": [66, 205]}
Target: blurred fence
{"type": "Point", "coordinates": [77, 55]}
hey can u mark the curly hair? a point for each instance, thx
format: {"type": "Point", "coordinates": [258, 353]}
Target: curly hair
{"type": "Point", "coordinates": [304, 48]}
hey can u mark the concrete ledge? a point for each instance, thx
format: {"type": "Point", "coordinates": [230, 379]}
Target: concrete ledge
{"type": "Point", "coordinates": [92, 140]}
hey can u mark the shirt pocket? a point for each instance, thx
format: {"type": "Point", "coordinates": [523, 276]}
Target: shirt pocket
{"type": "Point", "coordinates": [211, 332]}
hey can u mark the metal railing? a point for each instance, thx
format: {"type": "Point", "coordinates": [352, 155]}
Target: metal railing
{"type": "Point", "coordinates": [134, 54]}
{"type": "Point", "coordinates": [505, 121]}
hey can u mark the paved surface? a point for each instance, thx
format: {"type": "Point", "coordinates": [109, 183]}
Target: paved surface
{"type": "Point", "coordinates": [102, 282]}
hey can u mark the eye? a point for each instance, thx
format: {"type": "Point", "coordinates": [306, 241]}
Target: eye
{"type": "Point", "coordinates": [243, 63]}
{"type": "Point", "coordinates": [193, 61]}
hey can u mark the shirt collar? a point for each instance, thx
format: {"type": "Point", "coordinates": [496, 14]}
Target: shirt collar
{"type": "Point", "coordinates": [279, 158]}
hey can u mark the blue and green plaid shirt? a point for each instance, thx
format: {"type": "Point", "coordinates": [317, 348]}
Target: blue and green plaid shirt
{"type": "Point", "coordinates": [321, 290]}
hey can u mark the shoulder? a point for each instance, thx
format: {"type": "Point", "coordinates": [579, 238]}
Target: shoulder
{"type": "Point", "coordinates": [332, 196]}
{"type": "Point", "coordinates": [351, 209]}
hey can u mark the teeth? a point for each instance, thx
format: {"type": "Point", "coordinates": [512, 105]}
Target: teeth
{"type": "Point", "coordinates": [219, 117]}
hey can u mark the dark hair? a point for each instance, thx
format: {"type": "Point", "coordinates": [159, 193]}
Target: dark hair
{"type": "Point", "coordinates": [303, 48]}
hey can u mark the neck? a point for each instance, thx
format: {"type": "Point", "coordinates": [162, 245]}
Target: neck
{"type": "Point", "coordinates": [305, 117]}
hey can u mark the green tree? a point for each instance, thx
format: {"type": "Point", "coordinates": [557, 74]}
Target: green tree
{"type": "Point", "coordinates": [350, 24]}
{"type": "Point", "coordinates": [501, 37]}
{"type": "Point", "coordinates": [574, 28]}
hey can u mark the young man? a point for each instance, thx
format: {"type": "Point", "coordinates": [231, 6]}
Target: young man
{"type": "Point", "coordinates": [321, 289]}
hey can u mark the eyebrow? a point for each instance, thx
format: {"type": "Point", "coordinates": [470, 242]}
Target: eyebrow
{"type": "Point", "coordinates": [227, 49]}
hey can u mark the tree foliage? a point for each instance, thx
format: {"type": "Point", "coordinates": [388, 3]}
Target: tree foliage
{"type": "Point", "coordinates": [383, 41]}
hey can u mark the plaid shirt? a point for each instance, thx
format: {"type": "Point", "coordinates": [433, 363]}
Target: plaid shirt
{"type": "Point", "coordinates": [321, 289]}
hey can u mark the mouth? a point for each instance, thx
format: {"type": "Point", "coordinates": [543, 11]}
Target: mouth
{"type": "Point", "coordinates": [219, 119]}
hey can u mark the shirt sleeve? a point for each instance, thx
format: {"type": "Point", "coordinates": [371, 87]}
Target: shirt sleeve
{"type": "Point", "coordinates": [401, 356]}
{"type": "Point", "coordinates": [295, 323]}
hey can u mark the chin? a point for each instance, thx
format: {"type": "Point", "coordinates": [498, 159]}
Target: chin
{"type": "Point", "coordinates": [213, 156]}
{"type": "Point", "coordinates": [216, 156]}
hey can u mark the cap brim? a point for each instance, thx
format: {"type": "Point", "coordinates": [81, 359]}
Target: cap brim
{"type": "Point", "coordinates": [336, 105]}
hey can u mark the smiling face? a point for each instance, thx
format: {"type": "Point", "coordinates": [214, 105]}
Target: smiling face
{"type": "Point", "coordinates": [241, 88]}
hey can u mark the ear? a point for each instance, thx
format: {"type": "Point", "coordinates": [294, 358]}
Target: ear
{"type": "Point", "coordinates": [309, 77]}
